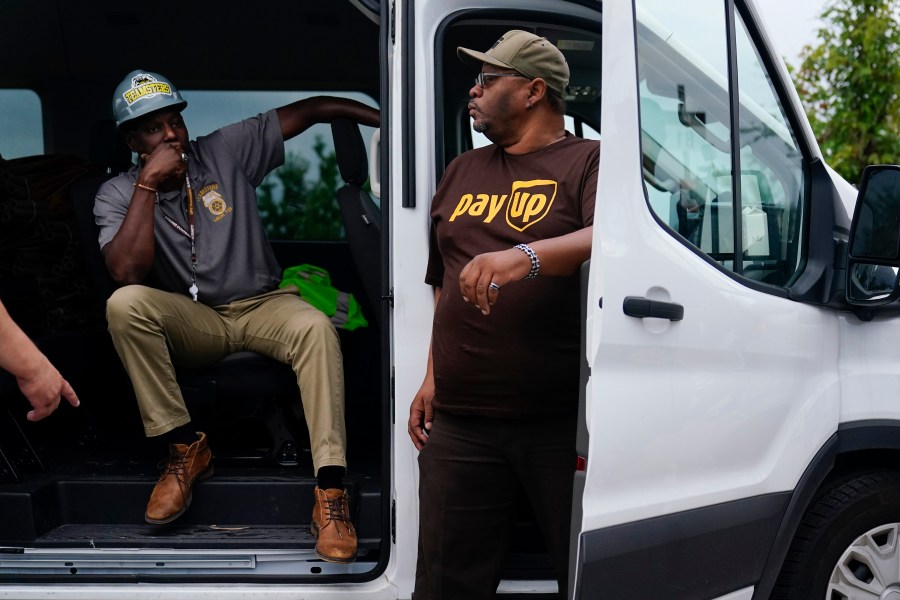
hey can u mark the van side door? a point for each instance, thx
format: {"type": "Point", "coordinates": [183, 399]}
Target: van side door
{"type": "Point", "coordinates": [710, 390]}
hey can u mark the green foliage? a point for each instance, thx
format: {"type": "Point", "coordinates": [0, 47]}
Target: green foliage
{"type": "Point", "coordinates": [850, 85]}
{"type": "Point", "coordinates": [306, 210]}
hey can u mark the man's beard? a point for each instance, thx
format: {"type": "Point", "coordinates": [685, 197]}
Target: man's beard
{"type": "Point", "coordinates": [504, 106]}
{"type": "Point", "coordinates": [476, 126]}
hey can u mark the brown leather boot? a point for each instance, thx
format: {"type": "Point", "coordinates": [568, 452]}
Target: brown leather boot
{"type": "Point", "coordinates": [172, 494]}
{"type": "Point", "coordinates": [331, 524]}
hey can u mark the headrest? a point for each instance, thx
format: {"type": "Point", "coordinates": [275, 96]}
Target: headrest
{"type": "Point", "coordinates": [350, 151]}
{"type": "Point", "coordinates": [108, 149]}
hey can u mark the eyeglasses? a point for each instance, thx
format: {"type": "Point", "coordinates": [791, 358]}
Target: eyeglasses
{"type": "Point", "coordinates": [483, 78]}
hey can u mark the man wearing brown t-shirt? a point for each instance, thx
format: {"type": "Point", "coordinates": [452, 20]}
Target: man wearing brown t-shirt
{"type": "Point", "coordinates": [511, 225]}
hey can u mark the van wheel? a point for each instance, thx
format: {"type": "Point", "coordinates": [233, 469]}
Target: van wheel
{"type": "Point", "coordinates": [847, 546]}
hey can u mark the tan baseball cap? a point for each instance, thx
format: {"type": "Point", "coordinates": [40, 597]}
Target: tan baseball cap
{"type": "Point", "coordinates": [529, 54]}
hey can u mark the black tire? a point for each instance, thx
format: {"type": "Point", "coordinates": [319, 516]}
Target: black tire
{"type": "Point", "coordinates": [837, 517]}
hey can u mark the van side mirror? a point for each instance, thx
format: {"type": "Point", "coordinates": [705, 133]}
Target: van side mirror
{"type": "Point", "coordinates": [874, 250]}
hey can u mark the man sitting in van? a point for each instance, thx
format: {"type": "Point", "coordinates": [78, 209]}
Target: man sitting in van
{"type": "Point", "coordinates": [181, 233]}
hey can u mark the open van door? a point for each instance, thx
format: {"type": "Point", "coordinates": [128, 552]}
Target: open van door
{"type": "Point", "coordinates": [711, 387]}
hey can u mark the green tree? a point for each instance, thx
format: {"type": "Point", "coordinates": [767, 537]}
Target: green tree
{"type": "Point", "coordinates": [306, 210]}
{"type": "Point", "coordinates": [850, 85]}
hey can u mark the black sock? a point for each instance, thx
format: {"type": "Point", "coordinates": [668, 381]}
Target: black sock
{"type": "Point", "coordinates": [331, 477]}
{"type": "Point", "coordinates": [183, 434]}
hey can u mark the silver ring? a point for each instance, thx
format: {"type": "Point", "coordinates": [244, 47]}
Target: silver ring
{"type": "Point", "coordinates": [183, 157]}
{"type": "Point", "coordinates": [494, 287]}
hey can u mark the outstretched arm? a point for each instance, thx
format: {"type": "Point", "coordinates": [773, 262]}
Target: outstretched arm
{"type": "Point", "coordinates": [39, 380]}
{"type": "Point", "coordinates": [297, 117]}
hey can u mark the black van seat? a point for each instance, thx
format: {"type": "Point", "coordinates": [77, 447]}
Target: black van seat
{"type": "Point", "coordinates": [360, 215]}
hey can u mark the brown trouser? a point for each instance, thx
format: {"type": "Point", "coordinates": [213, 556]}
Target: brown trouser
{"type": "Point", "coordinates": [152, 330]}
{"type": "Point", "coordinates": [470, 473]}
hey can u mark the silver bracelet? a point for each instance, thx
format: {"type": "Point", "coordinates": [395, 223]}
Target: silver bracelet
{"type": "Point", "coordinates": [535, 261]}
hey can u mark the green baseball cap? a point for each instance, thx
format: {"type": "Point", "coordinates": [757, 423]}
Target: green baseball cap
{"type": "Point", "coordinates": [529, 54]}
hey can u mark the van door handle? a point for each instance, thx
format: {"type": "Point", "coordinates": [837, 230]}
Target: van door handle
{"type": "Point", "coordinates": [640, 307]}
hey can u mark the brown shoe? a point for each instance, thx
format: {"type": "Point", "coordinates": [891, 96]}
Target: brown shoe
{"type": "Point", "coordinates": [172, 494]}
{"type": "Point", "coordinates": [331, 524]}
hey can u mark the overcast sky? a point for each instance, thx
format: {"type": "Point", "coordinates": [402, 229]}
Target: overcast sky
{"type": "Point", "coordinates": [791, 24]}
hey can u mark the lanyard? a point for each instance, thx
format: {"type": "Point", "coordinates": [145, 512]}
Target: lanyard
{"type": "Point", "coordinates": [189, 234]}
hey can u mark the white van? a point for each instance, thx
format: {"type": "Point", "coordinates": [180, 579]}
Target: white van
{"type": "Point", "coordinates": [740, 436]}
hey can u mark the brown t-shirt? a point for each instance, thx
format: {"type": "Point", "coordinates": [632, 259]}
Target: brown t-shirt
{"type": "Point", "coordinates": [522, 358]}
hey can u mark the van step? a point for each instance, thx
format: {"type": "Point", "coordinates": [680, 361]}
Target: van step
{"type": "Point", "coordinates": [185, 537]}
{"type": "Point", "coordinates": [44, 564]}
{"type": "Point", "coordinates": [238, 507]}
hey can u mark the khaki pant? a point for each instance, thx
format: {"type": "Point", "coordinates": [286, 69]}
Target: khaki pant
{"type": "Point", "coordinates": [152, 330]}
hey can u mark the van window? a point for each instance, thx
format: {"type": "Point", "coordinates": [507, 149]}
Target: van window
{"type": "Point", "coordinates": [21, 126]}
{"type": "Point", "coordinates": [297, 200]}
{"type": "Point", "coordinates": [581, 128]}
{"type": "Point", "coordinates": [686, 138]}
{"type": "Point", "coordinates": [772, 167]}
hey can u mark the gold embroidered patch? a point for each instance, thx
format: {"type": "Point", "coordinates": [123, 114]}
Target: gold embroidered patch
{"type": "Point", "coordinates": [214, 201]}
